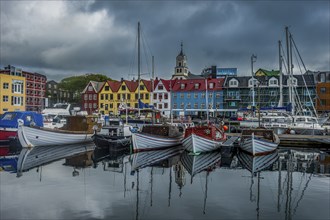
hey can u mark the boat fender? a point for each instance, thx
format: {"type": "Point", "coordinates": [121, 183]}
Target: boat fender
{"type": "Point", "coordinates": [292, 132]}
{"type": "Point", "coordinates": [20, 122]}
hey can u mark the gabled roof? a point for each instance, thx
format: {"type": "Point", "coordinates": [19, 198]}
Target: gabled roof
{"type": "Point", "coordinates": [190, 85]}
{"type": "Point", "coordinates": [97, 86]}
{"type": "Point", "coordinates": [268, 72]}
{"type": "Point", "coordinates": [166, 82]}
{"type": "Point", "coordinates": [114, 85]}
{"type": "Point", "coordinates": [147, 83]}
{"type": "Point", "coordinates": [131, 85]}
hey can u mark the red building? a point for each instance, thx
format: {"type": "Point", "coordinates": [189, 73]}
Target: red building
{"type": "Point", "coordinates": [90, 96]}
{"type": "Point", "coordinates": [35, 91]}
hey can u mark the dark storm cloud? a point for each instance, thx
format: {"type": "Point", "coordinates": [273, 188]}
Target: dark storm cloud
{"type": "Point", "coordinates": [79, 37]}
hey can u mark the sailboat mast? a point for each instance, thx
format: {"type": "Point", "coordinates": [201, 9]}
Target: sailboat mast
{"type": "Point", "coordinates": [291, 77]}
{"type": "Point", "coordinates": [139, 68]}
{"type": "Point", "coordinates": [288, 64]}
{"type": "Point", "coordinates": [280, 103]}
{"type": "Point", "coordinates": [253, 93]}
{"type": "Point", "coordinates": [206, 101]}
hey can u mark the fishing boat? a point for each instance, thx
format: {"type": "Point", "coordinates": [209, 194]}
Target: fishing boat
{"type": "Point", "coordinates": [259, 141]}
{"type": "Point", "coordinates": [79, 129]}
{"type": "Point", "coordinates": [113, 134]}
{"type": "Point", "coordinates": [9, 124]}
{"type": "Point", "coordinates": [203, 138]}
{"type": "Point", "coordinates": [153, 137]}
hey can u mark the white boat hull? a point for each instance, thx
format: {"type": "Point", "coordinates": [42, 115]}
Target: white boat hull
{"type": "Point", "coordinates": [196, 144]}
{"type": "Point", "coordinates": [32, 137]}
{"type": "Point", "coordinates": [143, 142]}
{"type": "Point", "coordinates": [257, 146]}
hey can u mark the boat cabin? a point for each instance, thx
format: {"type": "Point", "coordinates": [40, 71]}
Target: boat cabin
{"type": "Point", "coordinates": [9, 119]}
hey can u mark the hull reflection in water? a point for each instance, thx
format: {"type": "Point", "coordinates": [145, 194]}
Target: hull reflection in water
{"type": "Point", "coordinates": [33, 157]}
{"type": "Point", "coordinates": [148, 158]}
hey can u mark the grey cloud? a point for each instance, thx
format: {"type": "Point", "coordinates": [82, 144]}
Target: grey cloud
{"type": "Point", "coordinates": [223, 33]}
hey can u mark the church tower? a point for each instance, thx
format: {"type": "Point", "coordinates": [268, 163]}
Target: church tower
{"type": "Point", "coordinates": [181, 69]}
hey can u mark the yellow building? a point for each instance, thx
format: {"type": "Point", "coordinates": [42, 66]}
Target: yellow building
{"type": "Point", "coordinates": [12, 93]}
{"type": "Point", "coordinates": [118, 95]}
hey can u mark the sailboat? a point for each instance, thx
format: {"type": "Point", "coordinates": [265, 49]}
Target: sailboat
{"type": "Point", "coordinates": [153, 136]}
{"type": "Point", "coordinates": [295, 122]}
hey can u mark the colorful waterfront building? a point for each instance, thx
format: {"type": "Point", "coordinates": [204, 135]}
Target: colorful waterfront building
{"type": "Point", "coordinates": [35, 91]}
{"type": "Point", "coordinates": [12, 92]}
{"type": "Point", "coordinates": [90, 97]}
{"type": "Point", "coordinates": [197, 97]}
{"type": "Point", "coordinates": [161, 96]}
{"type": "Point", "coordinates": [118, 95]}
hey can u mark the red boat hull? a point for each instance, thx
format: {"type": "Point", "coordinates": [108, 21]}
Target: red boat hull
{"type": "Point", "coordinates": [4, 135]}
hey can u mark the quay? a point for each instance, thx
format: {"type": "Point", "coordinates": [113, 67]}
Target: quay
{"type": "Point", "coordinates": [304, 141]}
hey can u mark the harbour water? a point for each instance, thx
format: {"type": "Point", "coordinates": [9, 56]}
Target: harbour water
{"type": "Point", "coordinates": [52, 183]}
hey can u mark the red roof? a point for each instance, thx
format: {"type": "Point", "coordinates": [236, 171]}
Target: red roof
{"type": "Point", "coordinates": [114, 85]}
{"type": "Point", "coordinates": [131, 85]}
{"type": "Point", "coordinates": [189, 85]}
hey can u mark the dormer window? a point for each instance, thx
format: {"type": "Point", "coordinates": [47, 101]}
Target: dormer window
{"type": "Point", "coordinates": [196, 85]}
{"type": "Point", "coordinates": [273, 82]}
{"type": "Point", "coordinates": [160, 87]}
{"type": "Point", "coordinates": [253, 82]}
{"type": "Point", "coordinates": [182, 86]}
{"type": "Point", "coordinates": [294, 81]}
{"type": "Point", "coordinates": [211, 85]}
{"type": "Point", "coordinates": [90, 88]}
{"type": "Point", "coordinates": [233, 83]}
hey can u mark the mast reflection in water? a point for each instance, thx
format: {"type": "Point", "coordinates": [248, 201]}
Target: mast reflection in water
{"type": "Point", "coordinates": [85, 182]}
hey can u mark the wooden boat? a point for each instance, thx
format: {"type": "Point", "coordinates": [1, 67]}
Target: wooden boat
{"type": "Point", "coordinates": [204, 138]}
{"type": "Point", "coordinates": [79, 129]}
{"type": "Point", "coordinates": [34, 157]}
{"type": "Point", "coordinates": [154, 137]}
{"type": "Point", "coordinates": [114, 134]}
{"type": "Point", "coordinates": [9, 125]}
{"type": "Point", "coordinates": [259, 141]}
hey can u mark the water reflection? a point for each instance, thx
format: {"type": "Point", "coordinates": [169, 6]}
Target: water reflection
{"type": "Point", "coordinates": [185, 186]}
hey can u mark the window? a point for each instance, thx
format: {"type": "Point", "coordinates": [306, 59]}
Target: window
{"type": "Point", "coordinates": [174, 95]}
{"type": "Point", "coordinates": [106, 96]}
{"type": "Point", "coordinates": [128, 96]}
{"type": "Point", "coordinates": [17, 86]}
{"type": "Point", "coordinates": [232, 104]}
{"type": "Point", "coordinates": [217, 95]}
{"type": "Point", "coordinates": [123, 87]}
{"type": "Point", "coordinates": [160, 106]}
{"type": "Point", "coordinates": [147, 96]}
{"type": "Point", "coordinates": [175, 105]}
{"type": "Point", "coordinates": [101, 105]}
{"type": "Point", "coordinates": [188, 95]}
{"type": "Point", "coordinates": [217, 105]}
{"type": "Point", "coordinates": [211, 85]}
{"type": "Point", "coordinates": [111, 96]}
{"type": "Point", "coordinates": [203, 95]}
{"type": "Point", "coordinates": [85, 97]}
{"type": "Point", "coordinates": [5, 98]}
{"type": "Point", "coordinates": [210, 95]}
{"type": "Point", "coordinates": [196, 85]}
{"type": "Point", "coordinates": [202, 106]}
{"type": "Point", "coordinates": [90, 105]}
{"type": "Point", "coordinates": [155, 96]}
{"type": "Point", "coordinates": [160, 87]}
{"type": "Point", "coordinates": [111, 105]}
{"type": "Point", "coordinates": [5, 85]}
{"type": "Point", "coordinates": [118, 96]}
{"type": "Point", "coordinates": [95, 97]}
{"type": "Point", "coordinates": [106, 88]}
{"type": "Point", "coordinates": [323, 90]}
{"type": "Point", "coordinates": [233, 83]}
{"type": "Point", "coordinates": [123, 96]}
{"type": "Point", "coordinates": [102, 96]}
{"type": "Point", "coordinates": [182, 86]}
{"type": "Point", "coordinates": [196, 106]}
{"type": "Point", "coordinates": [136, 96]}
{"type": "Point", "coordinates": [253, 82]}
{"type": "Point", "coordinates": [273, 82]}
{"type": "Point", "coordinates": [90, 97]}
{"type": "Point", "coordinates": [141, 87]}
{"type": "Point", "coordinates": [196, 95]}
{"type": "Point", "coordinates": [85, 105]}
{"type": "Point", "coordinates": [181, 95]}
{"type": "Point", "coordinates": [16, 100]}
{"type": "Point", "coordinates": [189, 105]}
{"type": "Point", "coordinates": [165, 105]}
{"type": "Point", "coordinates": [182, 105]}
{"type": "Point", "coordinates": [166, 96]}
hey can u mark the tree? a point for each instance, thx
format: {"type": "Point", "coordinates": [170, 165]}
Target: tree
{"type": "Point", "coordinates": [76, 84]}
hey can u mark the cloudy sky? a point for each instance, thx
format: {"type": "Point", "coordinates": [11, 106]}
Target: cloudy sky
{"type": "Point", "coordinates": [64, 38]}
